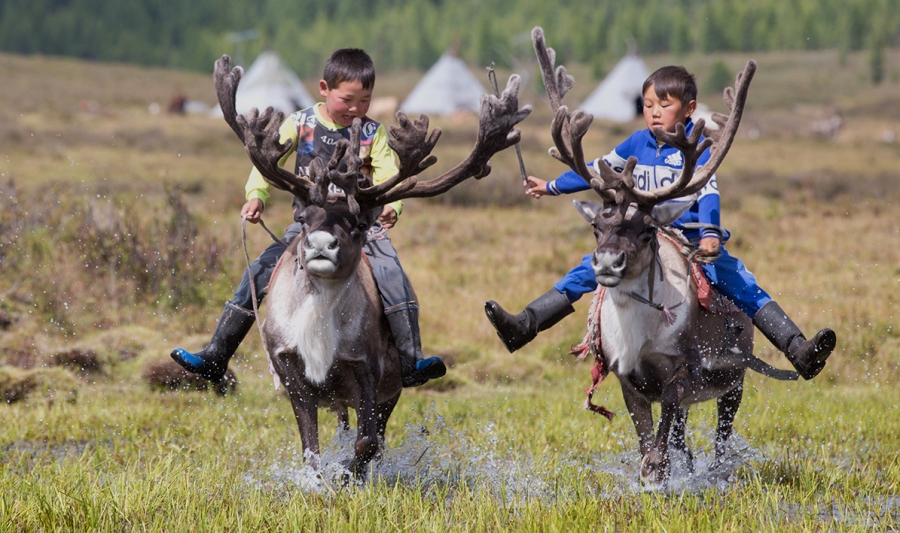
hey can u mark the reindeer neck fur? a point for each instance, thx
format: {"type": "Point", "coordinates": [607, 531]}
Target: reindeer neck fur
{"type": "Point", "coordinates": [631, 329]}
{"type": "Point", "coordinates": [317, 318]}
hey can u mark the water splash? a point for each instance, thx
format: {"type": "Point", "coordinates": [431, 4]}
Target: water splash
{"type": "Point", "coordinates": [431, 455]}
{"type": "Point", "coordinates": [708, 473]}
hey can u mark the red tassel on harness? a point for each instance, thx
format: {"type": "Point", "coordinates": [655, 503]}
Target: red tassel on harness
{"type": "Point", "coordinates": [598, 374]}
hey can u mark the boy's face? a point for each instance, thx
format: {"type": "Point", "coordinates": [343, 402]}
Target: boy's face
{"type": "Point", "coordinates": [345, 102]}
{"type": "Point", "coordinates": [666, 112]}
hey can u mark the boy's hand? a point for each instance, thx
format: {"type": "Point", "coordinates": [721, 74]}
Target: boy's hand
{"type": "Point", "coordinates": [709, 246]}
{"type": "Point", "coordinates": [535, 187]}
{"type": "Point", "coordinates": [252, 210]}
{"type": "Point", "coordinates": [388, 217]}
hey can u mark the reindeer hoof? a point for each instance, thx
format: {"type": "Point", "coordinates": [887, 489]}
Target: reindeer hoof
{"type": "Point", "coordinates": [654, 472]}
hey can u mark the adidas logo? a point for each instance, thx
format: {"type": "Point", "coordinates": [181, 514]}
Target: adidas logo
{"type": "Point", "coordinates": [674, 160]}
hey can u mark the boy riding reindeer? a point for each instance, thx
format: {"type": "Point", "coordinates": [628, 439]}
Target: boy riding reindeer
{"type": "Point", "coordinates": [670, 98]}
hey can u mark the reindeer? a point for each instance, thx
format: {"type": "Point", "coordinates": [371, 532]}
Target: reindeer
{"type": "Point", "coordinates": [325, 332]}
{"type": "Point", "coordinates": [677, 359]}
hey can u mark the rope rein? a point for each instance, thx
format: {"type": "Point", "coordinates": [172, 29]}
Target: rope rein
{"type": "Point", "coordinates": [255, 300]}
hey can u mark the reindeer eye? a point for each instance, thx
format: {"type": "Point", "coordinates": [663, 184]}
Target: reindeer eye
{"type": "Point", "coordinates": [362, 227]}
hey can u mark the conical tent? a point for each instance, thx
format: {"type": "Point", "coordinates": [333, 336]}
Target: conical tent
{"type": "Point", "coordinates": [269, 82]}
{"type": "Point", "coordinates": [447, 87]}
{"type": "Point", "coordinates": [618, 97]}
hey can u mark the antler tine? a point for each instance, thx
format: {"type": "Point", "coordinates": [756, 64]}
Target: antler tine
{"type": "Point", "coordinates": [557, 86]}
{"type": "Point", "coordinates": [496, 132]}
{"type": "Point", "coordinates": [568, 129]}
{"type": "Point", "coordinates": [346, 152]}
{"type": "Point", "coordinates": [258, 133]}
{"type": "Point", "coordinates": [691, 180]}
{"type": "Point", "coordinates": [413, 145]}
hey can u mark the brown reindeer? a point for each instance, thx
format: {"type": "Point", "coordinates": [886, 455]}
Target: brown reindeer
{"type": "Point", "coordinates": [675, 358]}
{"type": "Point", "coordinates": [326, 334]}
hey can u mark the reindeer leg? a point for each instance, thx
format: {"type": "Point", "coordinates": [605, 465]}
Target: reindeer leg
{"type": "Point", "coordinates": [728, 405]}
{"type": "Point", "coordinates": [677, 439]}
{"type": "Point", "coordinates": [306, 412]}
{"type": "Point", "coordinates": [303, 402]}
{"type": "Point", "coordinates": [641, 416]}
{"type": "Point", "coordinates": [655, 464]}
{"type": "Point", "coordinates": [366, 420]}
{"type": "Point", "coordinates": [383, 413]}
{"type": "Point", "coordinates": [343, 419]}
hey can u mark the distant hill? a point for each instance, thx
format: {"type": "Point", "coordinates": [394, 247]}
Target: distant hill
{"type": "Point", "coordinates": [404, 34]}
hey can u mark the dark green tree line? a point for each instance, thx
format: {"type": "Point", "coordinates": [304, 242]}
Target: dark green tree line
{"type": "Point", "coordinates": [413, 33]}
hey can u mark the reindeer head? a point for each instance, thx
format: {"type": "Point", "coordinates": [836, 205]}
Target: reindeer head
{"type": "Point", "coordinates": [335, 224]}
{"type": "Point", "coordinates": [625, 241]}
{"type": "Point", "coordinates": [625, 225]}
{"type": "Point", "coordinates": [332, 239]}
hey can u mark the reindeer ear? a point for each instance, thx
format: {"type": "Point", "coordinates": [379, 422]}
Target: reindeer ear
{"type": "Point", "coordinates": [668, 212]}
{"type": "Point", "coordinates": [588, 210]}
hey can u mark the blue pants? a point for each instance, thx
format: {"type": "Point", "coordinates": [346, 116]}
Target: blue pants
{"type": "Point", "coordinates": [728, 275]}
{"type": "Point", "coordinates": [396, 294]}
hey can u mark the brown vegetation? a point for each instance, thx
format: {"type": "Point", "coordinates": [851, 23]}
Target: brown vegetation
{"type": "Point", "coordinates": [41, 384]}
{"type": "Point", "coordinates": [169, 375]}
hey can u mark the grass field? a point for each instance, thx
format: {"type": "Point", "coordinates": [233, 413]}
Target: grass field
{"type": "Point", "coordinates": [119, 240]}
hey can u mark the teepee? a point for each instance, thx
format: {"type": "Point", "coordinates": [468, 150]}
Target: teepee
{"type": "Point", "coordinates": [447, 87]}
{"type": "Point", "coordinates": [270, 82]}
{"type": "Point", "coordinates": [618, 97]}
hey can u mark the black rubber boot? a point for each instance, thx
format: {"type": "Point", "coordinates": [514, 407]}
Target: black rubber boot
{"type": "Point", "coordinates": [415, 368]}
{"type": "Point", "coordinates": [212, 361]}
{"type": "Point", "coordinates": [518, 330]}
{"type": "Point", "coordinates": [807, 356]}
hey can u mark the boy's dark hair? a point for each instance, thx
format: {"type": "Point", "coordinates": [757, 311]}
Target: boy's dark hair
{"type": "Point", "coordinates": [349, 64]}
{"type": "Point", "coordinates": [674, 82]}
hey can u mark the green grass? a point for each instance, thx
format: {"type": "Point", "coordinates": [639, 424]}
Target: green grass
{"type": "Point", "coordinates": [497, 459]}
{"type": "Point", "coordinates": [508, 447]}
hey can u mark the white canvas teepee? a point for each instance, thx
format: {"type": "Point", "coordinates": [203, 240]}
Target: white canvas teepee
{"type": "Point", "coordinates": [618, 96]}
{"type": "Point", "coordinates": [269, 82]}
{"type": "Point", "coordinates": [447, 87]}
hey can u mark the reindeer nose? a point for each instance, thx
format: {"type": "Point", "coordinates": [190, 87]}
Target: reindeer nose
{"type": "Point", "coordinates": [609, 263]}
{"type": "Point", "coordinates": [320, 241]}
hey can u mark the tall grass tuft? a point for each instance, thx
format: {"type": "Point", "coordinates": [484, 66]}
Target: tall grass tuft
{"type": "Point", "coordinates": [95, 254]}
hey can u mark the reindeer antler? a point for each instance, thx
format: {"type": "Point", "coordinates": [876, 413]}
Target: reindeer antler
{"type": "Point", "coordinates": [691, 180]}
{"type": "Point", "coordinates": [259, 133]}
{"type": "Point", "coordinates": [413, 146]}
{"type": "Point", "coordinates": [567, 129]}
{"type": "Point", "coordinates": [411, 141]}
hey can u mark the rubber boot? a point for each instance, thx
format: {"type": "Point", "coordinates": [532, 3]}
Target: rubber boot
{"type": "Point", "coordinates": [518, 330]}
{"type": "Point", "coordinates": [807, 356]}
{"type": "Point", "coordinates": [415, 368]}
{"type": "Point", "coordinates": [212, 361]}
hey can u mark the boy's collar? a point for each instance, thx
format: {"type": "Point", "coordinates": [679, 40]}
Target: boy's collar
{"type": "Point", "coordinates": [322, 120]}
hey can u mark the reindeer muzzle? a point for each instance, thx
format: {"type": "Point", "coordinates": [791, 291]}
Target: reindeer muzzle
{"type": "Point", "coordinates": [320, 252]}
{"type": "Point", "coordinates": [609, 267]}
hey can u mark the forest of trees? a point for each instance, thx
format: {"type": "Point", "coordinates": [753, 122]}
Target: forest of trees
{"type": "Point", "coordinates": [401, 34]}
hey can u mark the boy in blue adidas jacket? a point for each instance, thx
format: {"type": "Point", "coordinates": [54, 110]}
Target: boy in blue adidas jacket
{"type": "Point", "coordinates": [670, 96]}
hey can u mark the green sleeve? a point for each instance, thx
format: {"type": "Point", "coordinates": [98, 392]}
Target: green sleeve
{"type": "Point", "coordinates": [383, 165]}
{"type": "Point", "coordinates": [257, 186]}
